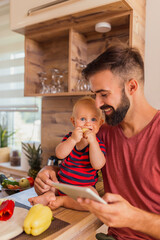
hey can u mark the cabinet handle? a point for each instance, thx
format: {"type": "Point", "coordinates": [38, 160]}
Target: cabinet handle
{"type": "Point", "coordinates": [30, 11]}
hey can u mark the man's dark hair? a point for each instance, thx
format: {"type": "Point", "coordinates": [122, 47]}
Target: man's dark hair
{"type": "Point", "coordinates": [121, 60]}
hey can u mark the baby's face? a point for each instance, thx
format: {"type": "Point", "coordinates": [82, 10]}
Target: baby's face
{"type": "Point", "coordinates": [87, 117]}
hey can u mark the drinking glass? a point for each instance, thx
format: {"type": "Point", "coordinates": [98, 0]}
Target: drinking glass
{"type": "Point", "coordinates": [82, 83]}
{"type": "Point", "coordinates": [60, 83]}
{"type": "Point", "coordinates": [55, 72]}
{"type": "Point", "coordinates": [43, 78]}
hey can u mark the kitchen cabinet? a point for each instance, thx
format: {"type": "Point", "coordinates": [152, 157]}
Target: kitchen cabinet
{"type": "Point", "coordinates": [56, 38]}
{"type": "Point", "coordinates": [64, 41]}
{"type": "Point", "coordinates": [26, 13]}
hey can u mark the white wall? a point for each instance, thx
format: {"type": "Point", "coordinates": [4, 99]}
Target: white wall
{"type": "Point", "coordinates": [152, 53]}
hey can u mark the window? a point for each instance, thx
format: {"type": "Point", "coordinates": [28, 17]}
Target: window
{"type": "Point", "coordinates": [17, 113]}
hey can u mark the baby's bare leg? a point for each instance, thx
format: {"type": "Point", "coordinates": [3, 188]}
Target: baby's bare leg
{"type": "Point", "coordinates": [65, 201]}
{"type": "Point", "coordinates": [43, 199]}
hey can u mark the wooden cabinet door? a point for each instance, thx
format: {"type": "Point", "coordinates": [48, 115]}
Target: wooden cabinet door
{"type": "Point", "coordinates": [26, 13]}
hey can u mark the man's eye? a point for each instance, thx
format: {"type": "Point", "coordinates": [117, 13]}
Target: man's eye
{"type": "Point", "coordinates": [104, 95]}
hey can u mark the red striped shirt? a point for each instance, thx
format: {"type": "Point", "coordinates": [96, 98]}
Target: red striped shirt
{"type": "Point", "coordinates": [76, 169]}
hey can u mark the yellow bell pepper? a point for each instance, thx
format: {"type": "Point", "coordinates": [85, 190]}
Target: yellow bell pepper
{"type": "Point", "coordinates": [38, 219]}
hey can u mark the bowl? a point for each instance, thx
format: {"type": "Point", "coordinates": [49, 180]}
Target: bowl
{"type": "Point", "coordinates": [7, 192]}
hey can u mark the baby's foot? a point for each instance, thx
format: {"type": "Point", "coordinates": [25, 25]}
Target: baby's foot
{"type": "Point", "coordinates": [43, 199]}
{"type": "Point", "coordinates": [58, 202]}
{"type": "Point", "coordinates": [39, 199]}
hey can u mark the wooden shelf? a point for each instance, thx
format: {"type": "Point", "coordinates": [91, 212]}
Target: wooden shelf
{"type": "Point", "coordinates": [62, 94]}
{"type": "Point", "coordinates": [65, 42]}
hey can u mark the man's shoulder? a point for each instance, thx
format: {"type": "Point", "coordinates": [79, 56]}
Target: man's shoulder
{"type": "Point", "coordinates": [158, 115]}
{"type": "Point", "coordinates": [155, 120]}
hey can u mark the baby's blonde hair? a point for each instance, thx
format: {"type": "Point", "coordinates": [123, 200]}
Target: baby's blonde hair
{"type": "Point", "coordinates": [88, 101]}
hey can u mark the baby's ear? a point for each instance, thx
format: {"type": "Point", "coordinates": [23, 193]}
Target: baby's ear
{"type": "Point", "coordinates": [101, 121]}
{"type": "Point", "coordinates": [72, 121]}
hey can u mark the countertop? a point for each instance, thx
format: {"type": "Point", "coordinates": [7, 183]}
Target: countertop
{"type": "Point", "coordinates": [81, 225]}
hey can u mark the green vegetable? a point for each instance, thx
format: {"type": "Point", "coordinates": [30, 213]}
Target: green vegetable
{"type": "Point", "coordinates": [2, 177]}
{"type": "Point", "coordinates": [7, 182]}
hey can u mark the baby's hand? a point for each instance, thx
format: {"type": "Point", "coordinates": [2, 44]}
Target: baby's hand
{"type": "Point", "coordinates": [90, 136]}
{"type": "Point", "coordinates": [77, 134]}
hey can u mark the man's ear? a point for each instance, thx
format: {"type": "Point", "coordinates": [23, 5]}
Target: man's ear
{"type": "Point", "coordinates": [132, 86]}
{"type": "Point", "coordinates": [72, 121]}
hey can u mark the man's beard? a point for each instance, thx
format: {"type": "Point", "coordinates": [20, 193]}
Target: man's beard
{"type": "Point", "coordinates": [119, 114]}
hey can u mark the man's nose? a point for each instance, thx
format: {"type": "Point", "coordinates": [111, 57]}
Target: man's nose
{"type": "Point", "coordinates": [99, 102]}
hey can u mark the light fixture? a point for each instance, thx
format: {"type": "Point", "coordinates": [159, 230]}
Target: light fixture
{"type": "Point", "coordinates": [103, 27]}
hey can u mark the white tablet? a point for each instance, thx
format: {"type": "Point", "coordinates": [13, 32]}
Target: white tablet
{"type": "Point", "coordinates": [76, 191]}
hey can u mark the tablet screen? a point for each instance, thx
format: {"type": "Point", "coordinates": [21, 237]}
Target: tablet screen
{"type": "Point", "coordinates": [76, 191]}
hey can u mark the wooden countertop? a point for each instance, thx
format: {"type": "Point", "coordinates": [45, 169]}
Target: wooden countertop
{"type": "Point", "coordinates": [82, 225]}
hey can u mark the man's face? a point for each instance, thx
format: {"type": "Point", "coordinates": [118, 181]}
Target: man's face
{"type": "Point", "coordinates": [119, 113]}
{"type": "Point", "coordinates": [110, 97]}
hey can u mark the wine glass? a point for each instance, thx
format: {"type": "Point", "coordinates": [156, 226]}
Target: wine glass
{"type": "Point", "coordinates": [43, 78]}
{"type": "Point", "coordinates": [60, 83]}
{"type": "Point", "coordinates": [55, 72]}
{"type": "Point", "coordinates": [82, 84]}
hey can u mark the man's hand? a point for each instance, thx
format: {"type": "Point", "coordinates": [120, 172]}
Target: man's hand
{"type": "Point", "coordinates": [44, 180]}
{"type": "Point", "coordinates": [117, 213]}
{"type": "Point", "coordinates": [120, 213]}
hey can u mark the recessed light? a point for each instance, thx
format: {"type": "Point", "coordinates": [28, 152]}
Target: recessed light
{"type": "Point", "coordinates": [103, 27]}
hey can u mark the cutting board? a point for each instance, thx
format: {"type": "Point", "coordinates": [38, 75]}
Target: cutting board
{"type": "Point", "coordinates": [12, 229]}
{"type": "Point", "coordinates": [14, 226]}
{"type": "Point", "coordinates": [55, 226]}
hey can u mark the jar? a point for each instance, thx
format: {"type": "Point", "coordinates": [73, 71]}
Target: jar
{"type": "Point", "coordinates": [15, 158]}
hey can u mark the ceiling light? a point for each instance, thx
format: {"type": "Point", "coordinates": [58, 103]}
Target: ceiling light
{"type": "Point", "coordinates": [103, 27]}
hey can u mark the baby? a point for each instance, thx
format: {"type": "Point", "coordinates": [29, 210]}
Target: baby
{"type": "Point", "coordinates": [82, 152]}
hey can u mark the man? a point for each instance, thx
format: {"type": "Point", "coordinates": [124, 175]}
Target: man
{"type": "Point", "coordinates": [132, 138]}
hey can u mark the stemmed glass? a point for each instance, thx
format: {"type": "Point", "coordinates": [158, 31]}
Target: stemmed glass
{"type": "Point", "coordinates": [60, 83]}
{"type": "Point", "coordinates": [82, 83]}
{"type": "Point", "coordinates": [55, 72]}
{"type": "Point", "coordinates": [43, 78]}
{"type": "Point", "coordinates": [57, 80]}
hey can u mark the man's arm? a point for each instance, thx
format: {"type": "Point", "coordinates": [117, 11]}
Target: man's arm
{"type": "Point", "coordinates": [120, 213]}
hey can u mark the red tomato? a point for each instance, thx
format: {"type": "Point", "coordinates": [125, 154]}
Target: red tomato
{"type": "Point", "coordinates": [31, 181]}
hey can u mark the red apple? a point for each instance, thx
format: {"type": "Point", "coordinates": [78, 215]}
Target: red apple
{"type": "Point", "coordinates": [31, 181]}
